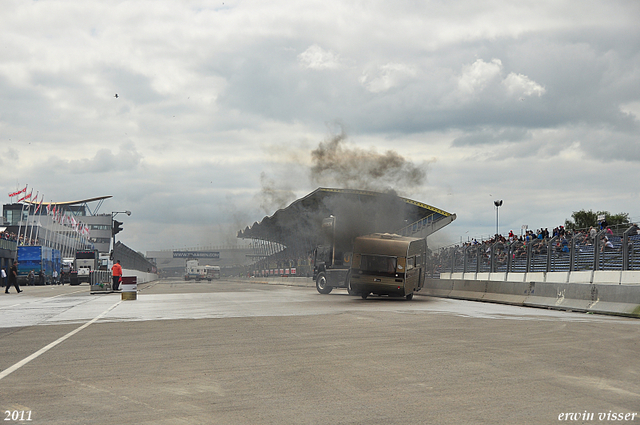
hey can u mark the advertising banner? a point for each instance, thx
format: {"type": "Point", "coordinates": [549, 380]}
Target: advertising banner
{"type": "Point", "coordinates": [196, 254]}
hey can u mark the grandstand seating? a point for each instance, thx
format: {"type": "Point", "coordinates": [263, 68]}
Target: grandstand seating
{"type": "Point", "coordinates": [477, 258]}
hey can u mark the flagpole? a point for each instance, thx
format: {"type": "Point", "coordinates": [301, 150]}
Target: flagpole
{"type": "Point", "coordinates": [46, 233]}
{"type": "Point", "coordinates": [30, 205]}
{"type": "Point", "coordinates": [54, 229]}
{"type": "Point", "coordinates": [68, 240]}
{"type": "Point", "coordinates": [39, 221]}
{"type": "Point", "coordinates": [20, 225]}
{"type": "Point", "coordinates": [63, 232]}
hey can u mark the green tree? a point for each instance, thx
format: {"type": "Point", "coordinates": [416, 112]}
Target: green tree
{"type": "Point", "coordinates": [584, 219]}
{"type": "Point", "coordinates": [616, 219]}
{"type": "Point", "coordinates": [581, 220]}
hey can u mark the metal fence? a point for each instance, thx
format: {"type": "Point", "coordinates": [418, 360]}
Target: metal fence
{"type": "Point", "coordinates": [130, 259]}
{"type": "Point", "coordinates": [573, 252]}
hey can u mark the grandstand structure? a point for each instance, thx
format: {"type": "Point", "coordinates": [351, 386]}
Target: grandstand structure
{"type": "Point", "coordinates": [575, 252]}
{"type": "Point", "coordinates": [286, 239]}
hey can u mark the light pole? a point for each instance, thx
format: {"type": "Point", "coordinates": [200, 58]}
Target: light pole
{"type": "Point", "coordinates": [115, 227]}
{"type": "Point", "coordinates": [498, 204]}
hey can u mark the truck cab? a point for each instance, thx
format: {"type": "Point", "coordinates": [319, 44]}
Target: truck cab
{"type": "Point", "coordinates": [331, 269]}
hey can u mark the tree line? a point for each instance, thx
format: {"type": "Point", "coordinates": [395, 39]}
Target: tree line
{"type": "Point", "coordinates": [584, 219]}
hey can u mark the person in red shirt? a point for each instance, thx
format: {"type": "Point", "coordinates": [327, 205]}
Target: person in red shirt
{"type": "Point", "coordinates": [116, 272]}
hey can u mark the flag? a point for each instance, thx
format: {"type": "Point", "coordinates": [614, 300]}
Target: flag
{"type": "Point", "coordinates": [39, 205]}
{"type": "Point", "coordinates": [11, 195]}
{"type": "Point", "coordinates": [49, 208]}
{"type": "Point", "coordinates": [34, 200]}
{"type": "Point", "coordinates": [25, 197]}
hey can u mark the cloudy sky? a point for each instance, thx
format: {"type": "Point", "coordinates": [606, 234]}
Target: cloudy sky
{"type": "Point", "coordinates": [222, 105]}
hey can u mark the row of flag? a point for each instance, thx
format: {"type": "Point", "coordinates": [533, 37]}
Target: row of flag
{"type": "Point", "coordinates": [56, 212]}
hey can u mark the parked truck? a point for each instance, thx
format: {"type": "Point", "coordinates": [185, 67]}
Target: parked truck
{"type": "Point", "coordinates": [212, 272]}
{"type": "Point", "coordinates": [87, 261]}
{"type": "Point", "coordinates": [38, 259]}
{"type": "Point", "coordinates": [195, 271]}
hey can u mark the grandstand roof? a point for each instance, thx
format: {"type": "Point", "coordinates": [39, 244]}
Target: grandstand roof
{"type": "Point", "coordinates": [65, 203]}
{"type": "Point", "coordinates": [359, 212]}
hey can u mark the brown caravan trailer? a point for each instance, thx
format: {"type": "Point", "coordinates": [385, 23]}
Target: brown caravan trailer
{"type": "Point", "coordinates": [388, 264]}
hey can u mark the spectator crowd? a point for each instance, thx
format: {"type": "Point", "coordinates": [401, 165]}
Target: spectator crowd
{"type": "Point", "coordinates": [23, 240]}
{"type": "Point", "coordinates": [537, 241]}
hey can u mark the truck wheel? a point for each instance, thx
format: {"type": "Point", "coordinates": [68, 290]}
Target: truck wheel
{"type": "Point", "coordinates": [364, 295]}
{"type": "Point", "coordinates": [350, 290]}
{"type": "Point", "coordinates": [321, 284]}
{"type": "Point", "coordinates": [409, 297]}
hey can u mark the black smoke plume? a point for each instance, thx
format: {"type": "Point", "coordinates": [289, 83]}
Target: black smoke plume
{"type": "Point", "coordinates": [337, 165]}
{"type": "Point", "coordinates": [271, 197]}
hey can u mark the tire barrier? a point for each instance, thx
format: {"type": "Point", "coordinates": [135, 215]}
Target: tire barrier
{"type": "Point", "coordinates": [604, 298]}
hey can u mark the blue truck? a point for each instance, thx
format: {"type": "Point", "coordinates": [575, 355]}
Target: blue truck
{"type": "Point", "coordinates": [36, 259]}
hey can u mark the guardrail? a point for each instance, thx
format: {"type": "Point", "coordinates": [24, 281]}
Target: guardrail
{"type": "Point", "coordinates": [7, 244]}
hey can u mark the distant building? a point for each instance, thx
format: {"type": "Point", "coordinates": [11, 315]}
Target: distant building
{"type": "Point", "coordinates": [74, 226]}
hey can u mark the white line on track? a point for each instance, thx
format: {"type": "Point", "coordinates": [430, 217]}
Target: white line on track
{"type": "Point", "coordinates": [54, 343]}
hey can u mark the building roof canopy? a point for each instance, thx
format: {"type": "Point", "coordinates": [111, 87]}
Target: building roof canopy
{"type": "Point", "coordinates": [357, 213]}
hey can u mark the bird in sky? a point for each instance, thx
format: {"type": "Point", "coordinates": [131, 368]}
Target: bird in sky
{"type": "Point", "coordinates": [115, 95]}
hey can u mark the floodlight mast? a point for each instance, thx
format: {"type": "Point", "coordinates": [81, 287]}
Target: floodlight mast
{"type": "Point", "coordinates": [498, 204]}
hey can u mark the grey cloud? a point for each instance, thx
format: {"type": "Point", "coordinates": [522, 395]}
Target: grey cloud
{"type": "Point", "coordinates": [105, 161]}
{"type": "Point", "coordinates": [492, 136]}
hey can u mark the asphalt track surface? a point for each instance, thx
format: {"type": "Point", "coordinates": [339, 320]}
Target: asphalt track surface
{"type": "Point", "coordinates": [243, 353]}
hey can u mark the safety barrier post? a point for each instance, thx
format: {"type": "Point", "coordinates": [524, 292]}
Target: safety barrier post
{"type": "Point", "coordinates": [550, 252]}
{"type": "Point", "coordinates": [626, 247]}
{"type": "Point", "coordinates": [453, 261]}
{"type": "Point", "coordinates": [492, 260]}
{"type": "Point", "coordinates": [596, 250]}
{"type": "Point", "coordinates": [572, 254]}
{"type": "Point", "coordinates": [464, 260]}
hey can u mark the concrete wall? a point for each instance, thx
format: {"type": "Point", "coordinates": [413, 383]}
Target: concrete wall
{"type": "Point", "coordinates": [607, 277]}
{"type": "Point", "coordinates": [609, 292]}
{"type": "Point", "coordinates": [142, 276]}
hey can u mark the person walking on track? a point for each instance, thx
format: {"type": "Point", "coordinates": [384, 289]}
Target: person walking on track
{"type": "Point", "coordinates": [13, 278]}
